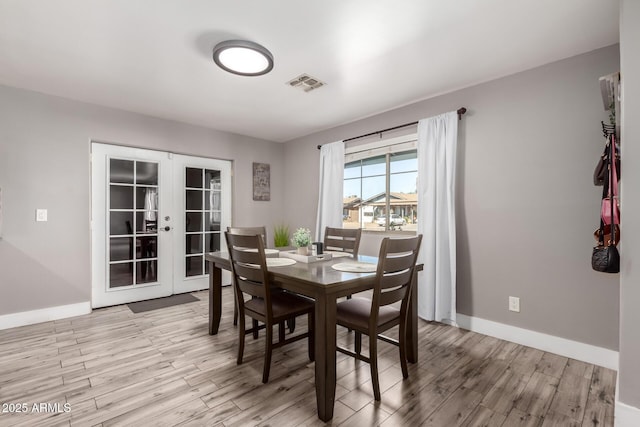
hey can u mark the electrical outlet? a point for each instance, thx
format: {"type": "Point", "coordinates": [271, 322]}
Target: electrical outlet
{"type": "Point", "coordinates": [514, 304]}
{"type": "Point", "coordinates": [41, 215]}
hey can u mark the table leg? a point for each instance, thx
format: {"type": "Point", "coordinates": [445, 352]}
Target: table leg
{"type": "Point", "coordinates": [412, 326]}
{"type": "Point", "coordinates": [325, 348]}
{"type": "Point", "coordinates": [215, 298]}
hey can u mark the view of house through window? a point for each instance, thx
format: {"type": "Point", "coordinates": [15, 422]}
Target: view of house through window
{"type": "Point", "coordinates": [380, 191]}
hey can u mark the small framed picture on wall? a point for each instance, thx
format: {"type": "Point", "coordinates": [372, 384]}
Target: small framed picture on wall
{"type": "Point", "coordinates": [261, 181]}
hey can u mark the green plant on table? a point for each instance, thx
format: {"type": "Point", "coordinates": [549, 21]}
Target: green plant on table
{"type": "Point", "coordinates": [301, 237]}
{"type": "Point", "coordinates": [281, 235]}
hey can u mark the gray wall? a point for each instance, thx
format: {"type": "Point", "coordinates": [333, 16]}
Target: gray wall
{"type": "Point", "coordinates": [629, 378]}
{"type": "Point", "coordinates": [44, 163]}
{"type": "Point", "coordinates": [527, 206]}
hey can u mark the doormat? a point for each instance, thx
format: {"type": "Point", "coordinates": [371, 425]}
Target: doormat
{"type": "Point", "coordinates": [153, 304]}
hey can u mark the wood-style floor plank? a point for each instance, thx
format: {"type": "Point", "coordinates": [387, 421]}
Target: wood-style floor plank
{"type": "Point", "coordinates": [161, 368]}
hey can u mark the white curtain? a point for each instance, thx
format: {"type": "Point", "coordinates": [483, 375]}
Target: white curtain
{"type": "Point", "coordinates": [437, 142]}
{"type": "Point", "coordinates": [330, 191]}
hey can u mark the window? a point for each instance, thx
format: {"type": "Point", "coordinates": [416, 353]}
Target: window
{"type": "Point", "coordinates": [380, 185]}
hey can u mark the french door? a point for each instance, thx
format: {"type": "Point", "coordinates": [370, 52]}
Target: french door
{"type": "Point", "coordinates": [202, 195]}
{"type": "Point", "coordinates": [154, 216]}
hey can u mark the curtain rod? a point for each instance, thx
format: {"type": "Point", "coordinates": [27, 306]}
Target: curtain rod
{"type": "Point", "coordinates": [460, 112]}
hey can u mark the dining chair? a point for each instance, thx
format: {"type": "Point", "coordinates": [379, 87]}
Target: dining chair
{"type": "Point", "coordinates": [247, 231]}
{"type": "Point", "coordinates": [251, 231]}
{"type": "Point", "coordinates": [262, 231]}
{"type": "Point", "coordinates": [250, 277]}
{"type": "Point", "coordinates": [342, 240]}
{"type": "Point", "coordinates": [393, 283]}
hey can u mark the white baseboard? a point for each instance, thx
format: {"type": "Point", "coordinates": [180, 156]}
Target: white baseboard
{"type": "Point", "coordinates": [44, 315]}
{"type": "Point", "coordinates": [626, 416]}
{"type": "Point", "coordinates": [562, 346]}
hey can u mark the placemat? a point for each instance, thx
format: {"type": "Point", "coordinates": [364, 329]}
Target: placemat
{"type": "Point", "coordinates": [279, 262]}
{"type": "Point", "coordinates": [355, 267]}
{"type": "Point", "coordinates": [266, 251]}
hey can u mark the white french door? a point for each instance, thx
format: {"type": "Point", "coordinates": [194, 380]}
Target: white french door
{"type": "Point", "coordinates": [202, 193]}
{"type": "Point", "coordinates": [154, 216]}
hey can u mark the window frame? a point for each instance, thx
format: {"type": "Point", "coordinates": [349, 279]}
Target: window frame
{"type": "Point", "coordinates": [385, 147]}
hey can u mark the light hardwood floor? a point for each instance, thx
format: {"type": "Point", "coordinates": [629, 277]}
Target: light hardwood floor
{"type": "Point", "coordinates": [159, 368]}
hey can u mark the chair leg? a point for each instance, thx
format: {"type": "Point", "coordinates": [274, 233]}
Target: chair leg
{"type": "Point", "coordinates": [358, 342]}
{"type": "Point", "coordinates": [241, 331]}
{"type": "Point", "coordinates": [281, 331]}
{"type": "Point", "coordinates": [312, 337]}
{"type": "Point", "coordinates": [235, 313]}
{"type": "Point", "coordinates": [402, 344]}
{"type": "Point", "coordinates": [255, 329]}
{"type": "Point", "coordinates": [373, 357]}
{"type": "Point", "coordinates": [235, 308]}
{"type": "Point", "coordinates": [349, 329]}
{"type": "Point", "coordinates": [291, 324]}
{"type": "Point", "coordinates": [267, 353]}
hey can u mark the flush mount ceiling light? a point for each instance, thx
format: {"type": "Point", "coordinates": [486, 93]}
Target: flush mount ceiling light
{"type": "Point", "coordinates": [243, 57]}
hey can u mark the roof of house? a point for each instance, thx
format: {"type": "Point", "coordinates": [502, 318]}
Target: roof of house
{"type": "Point", "coordinates": [380, 200]}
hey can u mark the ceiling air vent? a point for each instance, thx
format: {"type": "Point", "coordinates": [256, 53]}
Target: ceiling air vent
{"type": "Point", "coordinates": [306, 82]}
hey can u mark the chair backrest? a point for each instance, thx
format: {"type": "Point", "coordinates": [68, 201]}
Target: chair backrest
{"type": "Point", "coordinates": [342, 239]}
{"type": "Point", "coordinates": [394, 275]}
{"type": "Point", "coordinates": [248, 267]}
{"type": "Point", "coordinates": [250, 231]}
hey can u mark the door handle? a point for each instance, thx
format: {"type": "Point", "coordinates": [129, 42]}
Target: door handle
{"type": "Point", "coordinates": [167, 228]}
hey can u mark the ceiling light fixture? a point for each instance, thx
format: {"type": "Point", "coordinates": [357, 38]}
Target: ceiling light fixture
{"type": "Point", "coordinates": [243, 57]}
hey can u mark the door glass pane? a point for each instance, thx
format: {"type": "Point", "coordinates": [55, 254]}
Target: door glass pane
{"type": "Point", "coordinates": [193, 177]}
{"type": "Point", "coordinates": [193, 200]}
{"type": "Point", "coordinates": [213, 221]}
{"type": "Point", "coordinates": [121, 171]}
{"type": "Point", "coordinates": [147, 198]}
{"type": "Point", "coordinates": [120, 223]}
{"type": "Point", "coordinates": [147, 247]}
{"type": "Point", "coordinates": [212, 200]}
{"type": "Point", "coordinates": [194, 221]}
{"type": "Point", "coordinates": [146, 173]}
{"type": "Point", "coordinates": [120, 197]}
{"type": "Point", "coordinates": [193, 244]}
{"type": "Point", "coordinates": [143, 225]}
{"type": "Point", "coordinates": [212, 242]}
{"type": "Point", "coordinates": [120, 275]}
{"type": "Point", "coordinates": [193, 265]}
{"type": "Point", "coordinates": [120, 248]}
{"type": "Point", "coordinates": [212, 179]}
{"type": "Point", "coordinates": [146, 271]}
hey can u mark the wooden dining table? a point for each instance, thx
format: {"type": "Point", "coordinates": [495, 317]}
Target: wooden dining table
{"type": "Point", "coordinates": [321, 282]}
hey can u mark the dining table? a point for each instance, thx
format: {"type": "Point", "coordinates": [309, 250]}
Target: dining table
{"type": "Point", "coordinates": [320, 281]}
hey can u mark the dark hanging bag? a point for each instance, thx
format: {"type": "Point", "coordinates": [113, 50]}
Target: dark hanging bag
{"type": "Point", "coordinates": [605, 257]}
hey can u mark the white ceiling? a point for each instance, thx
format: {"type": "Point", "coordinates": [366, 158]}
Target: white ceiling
{"type": "Point", "coordinates": [154, 56]}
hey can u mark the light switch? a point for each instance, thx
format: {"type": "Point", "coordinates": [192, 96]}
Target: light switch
{"type": "Point", "coordinates": [41, 215]}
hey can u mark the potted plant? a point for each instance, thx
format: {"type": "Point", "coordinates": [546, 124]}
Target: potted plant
{"type": "Point", "coordinates": [301, 240]}
{"type": "Point", "coordinates": [281, 236]}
